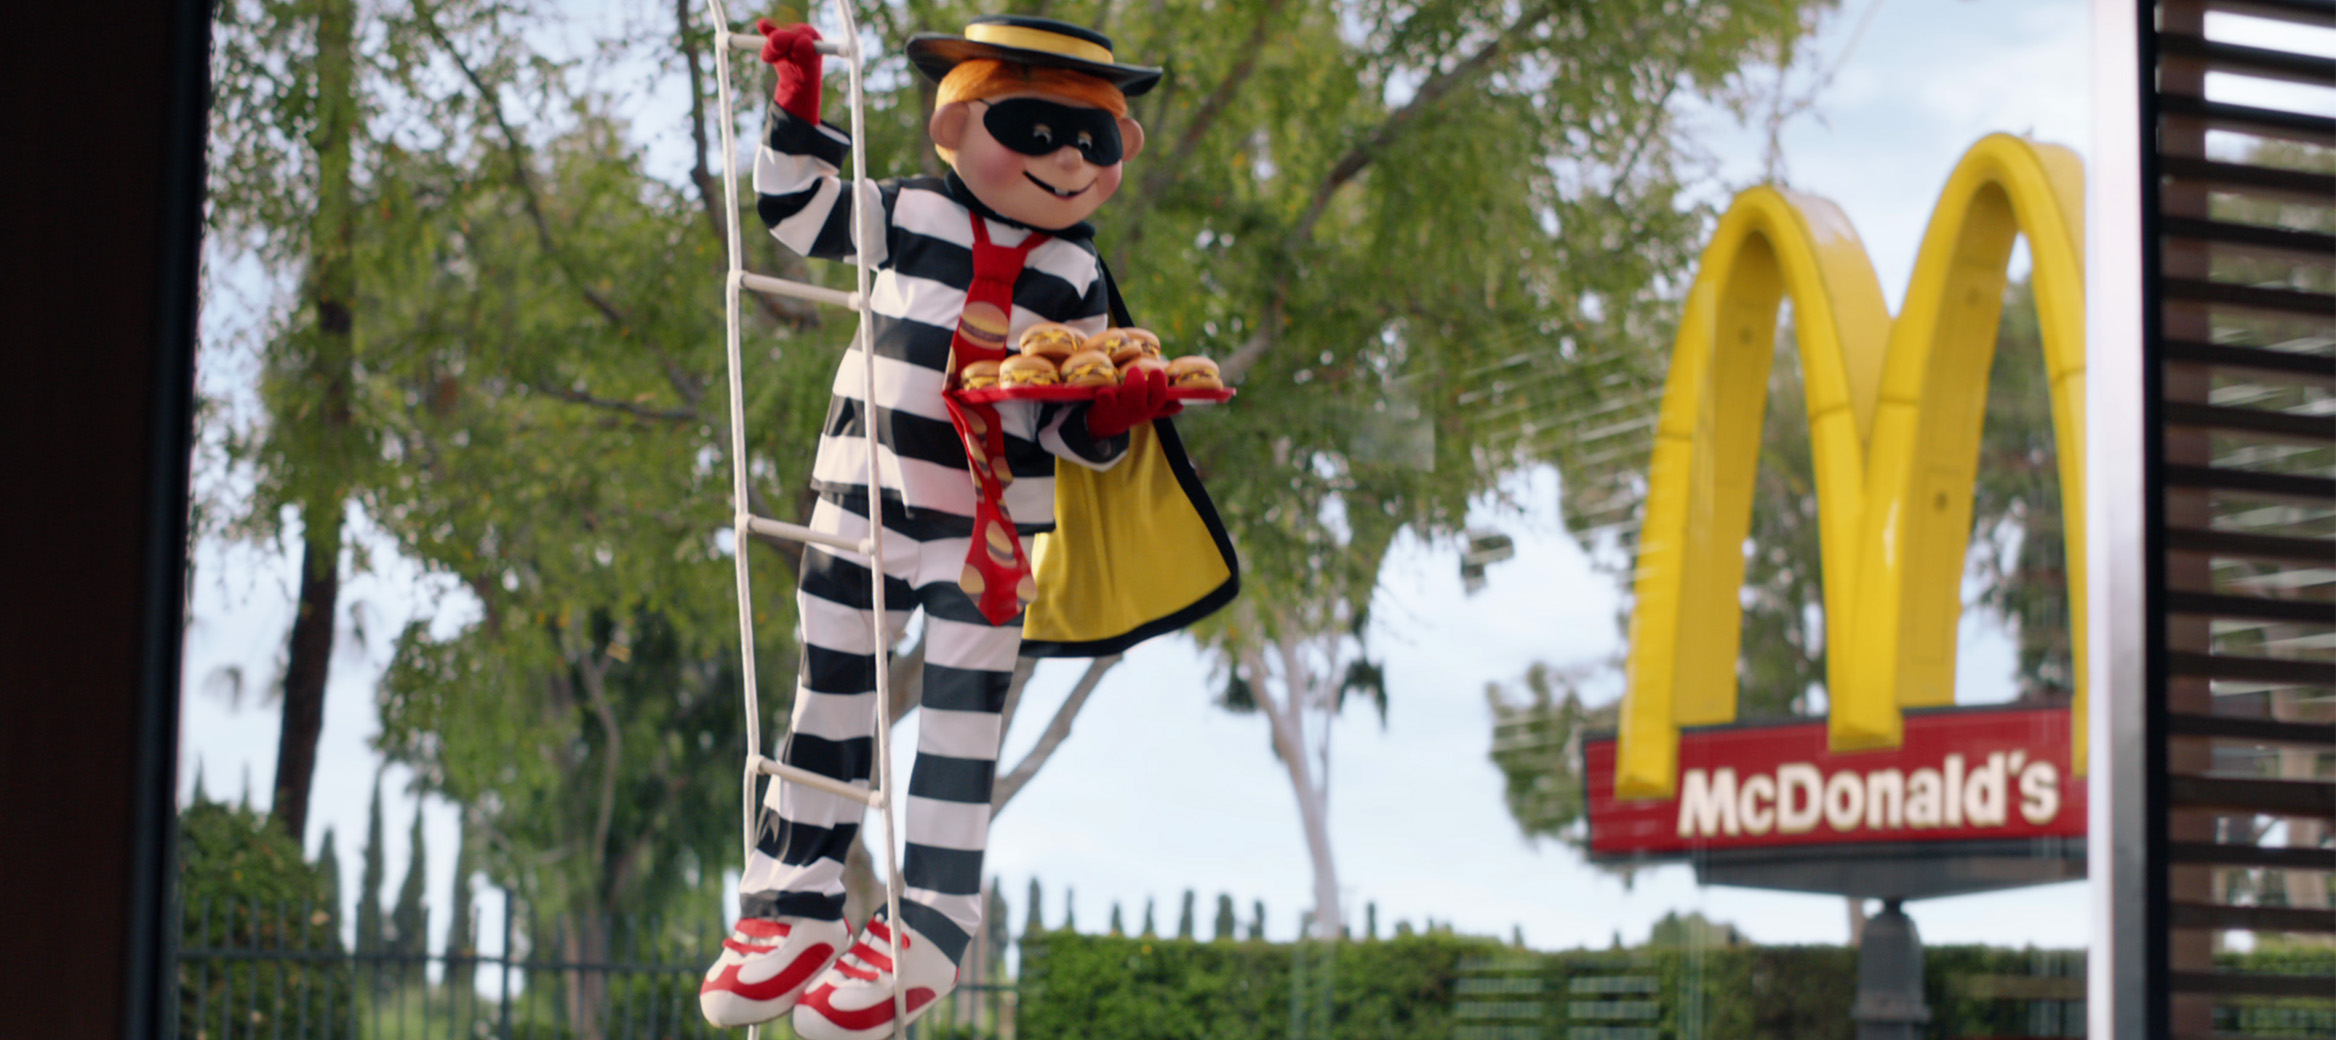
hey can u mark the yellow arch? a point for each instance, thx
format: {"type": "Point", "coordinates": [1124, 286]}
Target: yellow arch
{"type": "Point", "coordinates": [1894, 416]}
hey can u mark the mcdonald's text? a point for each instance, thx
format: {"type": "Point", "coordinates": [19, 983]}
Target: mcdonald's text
{"type": "Point", "coordinates": [1961, 774]}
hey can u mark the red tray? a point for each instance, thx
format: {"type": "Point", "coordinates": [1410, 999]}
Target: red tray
{"type": "Point", "coordinates": [987, 395]}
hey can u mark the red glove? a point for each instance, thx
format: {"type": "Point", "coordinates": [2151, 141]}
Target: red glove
{"type": "Point", "coordinates": [1141, 399]}
{"type": "Point", "coordinates": [789, 49]}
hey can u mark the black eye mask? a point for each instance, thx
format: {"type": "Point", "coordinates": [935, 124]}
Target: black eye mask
{"type": "Point", "coordinates": [1035, 127]}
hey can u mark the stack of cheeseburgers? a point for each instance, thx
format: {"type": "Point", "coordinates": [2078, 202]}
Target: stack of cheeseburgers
{"type": "Point", "coordinates": [1052, 354]}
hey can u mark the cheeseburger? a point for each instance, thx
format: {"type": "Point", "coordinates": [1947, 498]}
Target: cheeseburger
{"type": "Point", "coordinates": [980, 375]}
{"type": "Point", "coordinates": [1140, 363]}
{"type": "Point", "coordinates": [1026, 370]}
{"type": "Point", "coordinates": [1194, 373]}
{"type": "Point", "coordinates": [1052, 341]}
{"type": "Point", "coordinates": [1125, 345]}
{"type": "Point", "coordinates": [1089, 368]}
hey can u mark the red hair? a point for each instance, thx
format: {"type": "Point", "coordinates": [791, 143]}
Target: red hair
{"type": "Point", "coordinates": [982, 78]}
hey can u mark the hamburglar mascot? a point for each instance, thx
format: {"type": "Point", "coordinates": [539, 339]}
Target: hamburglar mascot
{"type": "Point", "coordinates": [1122, 543]}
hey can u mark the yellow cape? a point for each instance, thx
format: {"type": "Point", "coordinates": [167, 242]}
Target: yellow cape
{"type": "Point", "coordinates": [1137, 550]}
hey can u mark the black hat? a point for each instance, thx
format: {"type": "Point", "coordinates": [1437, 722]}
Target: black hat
{"type": "Point", "coordinates": [1029, 41]}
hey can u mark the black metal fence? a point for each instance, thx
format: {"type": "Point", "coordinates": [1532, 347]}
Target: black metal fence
{"type": "Point", "coordinates": [253, 971]}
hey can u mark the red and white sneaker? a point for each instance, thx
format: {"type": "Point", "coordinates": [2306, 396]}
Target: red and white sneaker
{"type": "Point", "coordinates": [765, 967]}
{"type": "Point", "coordinates": [853, 1001]}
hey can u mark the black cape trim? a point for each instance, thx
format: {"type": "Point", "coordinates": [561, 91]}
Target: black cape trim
{"type": "Point", "coordinates": [1172, 447]}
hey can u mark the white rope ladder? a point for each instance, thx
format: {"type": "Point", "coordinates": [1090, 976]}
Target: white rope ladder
{"type": "Point", "coordinates": [846, 46]}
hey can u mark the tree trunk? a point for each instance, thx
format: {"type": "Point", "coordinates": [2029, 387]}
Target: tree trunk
{"type": "Point", "coordinates": [332, 292]}
{"type": "Point", "coordinates": [1287, 718]}
{"type": "Point", "coordinates": [587, 943]}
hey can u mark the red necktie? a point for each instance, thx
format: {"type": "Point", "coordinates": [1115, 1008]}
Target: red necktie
{"type": "Point", "coordinates": [997, 571]}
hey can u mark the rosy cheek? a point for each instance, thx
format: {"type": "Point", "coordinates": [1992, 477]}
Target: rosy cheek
{"type": "Point", "coordinates": [1106, 181]}
{"type": "Point", "coordinates": [993, 167]}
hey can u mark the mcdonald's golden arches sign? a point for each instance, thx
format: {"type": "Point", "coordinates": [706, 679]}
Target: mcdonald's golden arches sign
{"type": "Point", "coordinates": [1895, 406]}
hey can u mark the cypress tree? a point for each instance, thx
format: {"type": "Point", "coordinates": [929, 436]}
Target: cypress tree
{"type": "Point", "coordinates": [1257, 920]}
{"type": "Point", "coordinates": [1371, 921]}
{"type": "Point", "coordinates": [369, 881]}
{"type": "Point", "coordinates": [1070, 909]}
{"type": "Point", "coordinates": [1118, 927]}
{"type": "Point", "coordinates": [1034, 925]}
{"type": "Point", "coordinates": [1149, 931]}
{"type": "Point", "coordinates": [461, 942]}
{"type": "Point", "coordinates": [995, 917]}
{"type": "Point", "coordinates": [1184, 923]}
{"type": "Point", "coordinates": [328, 867]}
{"type": "Point", "coordinates": [408, 918]}
{"type": "Point", "coordinates": [1225, 926]}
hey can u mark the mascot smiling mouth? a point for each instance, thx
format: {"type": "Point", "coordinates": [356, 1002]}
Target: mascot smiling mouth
{"type": "Point", "coordinates": [1056, 192]}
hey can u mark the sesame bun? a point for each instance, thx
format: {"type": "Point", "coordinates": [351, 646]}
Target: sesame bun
{"type": "Point", "coordinates": [1089, 368]}
{"type": "Point", "coordinates": [1125, 345]}
{"type": "Point", "coordinates": [979, 375]}
{"type": "Point", "coordinates": [1051, 341]}
{"type": "Point", "coordinates": [1027, 370]}
{"type": "Point", "coordinates": [1195, 372]}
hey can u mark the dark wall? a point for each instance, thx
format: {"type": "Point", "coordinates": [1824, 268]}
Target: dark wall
{"type": "Point", "coordinates": [101, 117]}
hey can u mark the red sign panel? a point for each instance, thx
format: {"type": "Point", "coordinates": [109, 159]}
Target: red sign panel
{"type": "Point", "coordinates": [1962, 774]}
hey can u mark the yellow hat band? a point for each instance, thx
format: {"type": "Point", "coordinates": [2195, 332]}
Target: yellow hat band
{"type": "Point", "coordinates": [1038, 40]}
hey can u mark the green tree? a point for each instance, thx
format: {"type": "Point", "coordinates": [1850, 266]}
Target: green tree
{"type": "Point", "coordinates": [370, 878]}
{"type": "Point", "coordinates": [1036, 924]}
{"type": "Point", "coordinates": [328, 867]}
{"type": "Point", "coordinates": [461, 929]}
{"type": "Point", "coordinates": [1184, 921]}
{"type": "Point", "coordinates": [408, 937]}
{"type": "Point", "coordinates": [1223, 928]}
{"type": "Point", "coordinates": [1401, 280]}
{"type": "Point", "coordinates": [286, 133]}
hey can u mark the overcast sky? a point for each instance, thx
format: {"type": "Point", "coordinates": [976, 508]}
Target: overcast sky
{"type": "Point", "coordinates": [1157, 791]}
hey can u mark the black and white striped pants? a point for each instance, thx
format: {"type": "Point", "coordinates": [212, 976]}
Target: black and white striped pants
{"type": "Point", "coordinates": [796, 868]}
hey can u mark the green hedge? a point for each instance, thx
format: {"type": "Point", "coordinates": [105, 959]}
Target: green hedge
{"type": "Point", "coordinates": [244, 886]}
{"type": "Point", "coordinates": [1440, 987]}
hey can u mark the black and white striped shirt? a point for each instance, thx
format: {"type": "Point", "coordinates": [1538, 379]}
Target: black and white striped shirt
{"type": "Point", "coordinates": [923, 264]}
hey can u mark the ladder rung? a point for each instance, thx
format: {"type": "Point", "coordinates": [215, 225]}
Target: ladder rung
{"type": "Point", "coordinates": [800, 533]}
{"type": "Point", "coordinates": [751, 41]}
{"type": "Point", "coordinates": [829, 784]}
{"type": "Point", "coordinates": [798, 290]}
